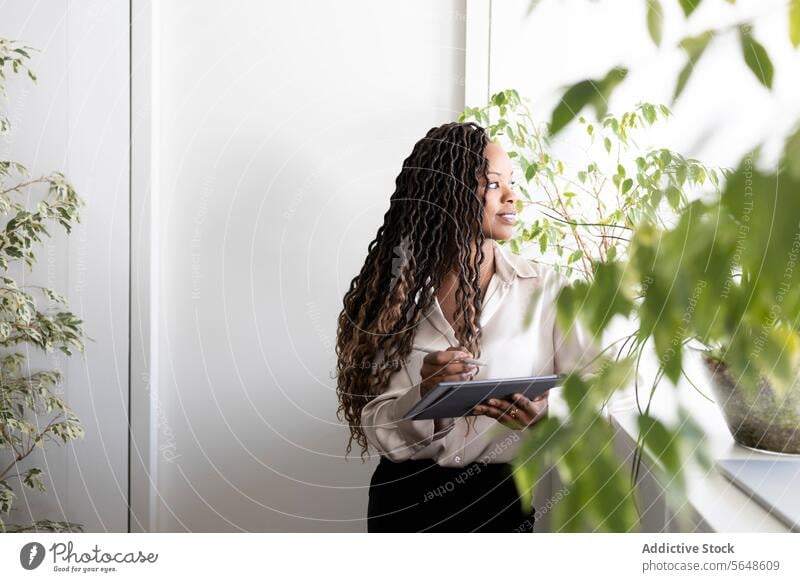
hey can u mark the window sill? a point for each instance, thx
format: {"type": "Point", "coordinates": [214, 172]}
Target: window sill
{"type": "Point", "coordinates": [714, 503]}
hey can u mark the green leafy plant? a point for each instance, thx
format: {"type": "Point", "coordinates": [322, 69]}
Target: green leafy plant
{"type": "Point", "coordinates": [721, 275]}
{"type": "Point", "coordinates": [580, 218]}
{"type": "Point", "coordinates": [580, 214]}
{"type": "Point", "coordinates": [30, 413]}
{"type": "Point", "coordinates": [725, 277]}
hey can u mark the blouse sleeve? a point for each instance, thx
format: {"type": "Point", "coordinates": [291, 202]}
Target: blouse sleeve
{"type": "Point", "coordinates": [381, 419]}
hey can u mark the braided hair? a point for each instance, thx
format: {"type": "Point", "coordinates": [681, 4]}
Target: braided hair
{"type": "Point", "coordinates": [434, 217]}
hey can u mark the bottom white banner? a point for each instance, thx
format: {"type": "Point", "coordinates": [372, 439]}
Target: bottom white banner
{"type": "Point", "coordinates": [400, 556]}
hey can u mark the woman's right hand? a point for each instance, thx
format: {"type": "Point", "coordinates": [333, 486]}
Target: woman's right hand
{"type": "Point", "coordinates": [445, 366]}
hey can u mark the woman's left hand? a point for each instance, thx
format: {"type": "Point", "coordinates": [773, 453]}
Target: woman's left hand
{"type": "Point", "coordinates": [518, 413]}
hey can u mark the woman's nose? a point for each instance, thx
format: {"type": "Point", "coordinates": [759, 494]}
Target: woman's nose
{"type": "Point", "coordinates": [508, 194]}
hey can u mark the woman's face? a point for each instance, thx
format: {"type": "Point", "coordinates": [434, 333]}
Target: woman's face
{"type": "Point", "coordinates": [500, 213]}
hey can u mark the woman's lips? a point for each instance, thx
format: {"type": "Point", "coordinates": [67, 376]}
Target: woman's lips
{"type": "Point", "coordinates": [508, 217]}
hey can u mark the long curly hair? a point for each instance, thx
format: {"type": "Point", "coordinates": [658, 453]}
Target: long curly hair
{"type": "Point", "coordinates": [434, 223]}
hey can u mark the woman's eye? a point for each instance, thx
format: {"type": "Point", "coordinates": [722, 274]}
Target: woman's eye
{"type": "Point", "coordinates": [495, 185]}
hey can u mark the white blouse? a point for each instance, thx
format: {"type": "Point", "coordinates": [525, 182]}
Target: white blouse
{"type": "Point", "coordinates": [507, 347]}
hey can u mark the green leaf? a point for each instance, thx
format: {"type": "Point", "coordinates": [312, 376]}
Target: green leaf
{"type": "Point", "coordinates": [649, 113]}
{"type": "Point", "coordinates": [607, 85]}
{"type": "Point", "coordinates": [673, 197]}
{"type": "Point", "coordinates": [662, 443]}
{"type": "Point", "coordinates": [572, 102]}
{"type": "Point", "coordinates": [693, 438]}
{"type": "Point", "coordinates": [694, 46]}
{"type": "Point", "coordinates": [587, 92]}
{"type": "Point", "coordinates": [794, 22]}
{"type": "Point", "coordinates": [626, 185]}
{"type": "Point", "coordinates": [33, 479]}
{"type": "Point", "coordinates": [755, 56]}
{"type": "Point", "coordinates": [574, 256]}
{"type": "Point", "coordinates": [7, 496]}
{"type": "Point", "coordinates": [532, 6]}
{"type": "Point", "coordinates": [655, 20]}
{"type": "Point", "coordinates": [681, 174]}
{"type": "Point", "coordinates": [792, 154]}
{"type": "Point", "coordinates": [596, 303]}
{"type": "Point", "coordinates": [689, 6]}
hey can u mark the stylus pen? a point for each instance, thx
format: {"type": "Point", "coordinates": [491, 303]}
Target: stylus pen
{"type": "Point", "coordinates": [465, 360]}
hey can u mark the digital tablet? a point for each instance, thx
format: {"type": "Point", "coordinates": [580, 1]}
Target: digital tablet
{"type": "Point", "coordinates": [453, 399]}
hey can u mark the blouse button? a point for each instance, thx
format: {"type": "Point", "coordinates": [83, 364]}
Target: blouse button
{"type": "Point", "coordinates": [458, 459]}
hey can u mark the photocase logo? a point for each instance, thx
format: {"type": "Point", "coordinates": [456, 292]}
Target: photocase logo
{"type": "Point", "coordinates": [31, 555]}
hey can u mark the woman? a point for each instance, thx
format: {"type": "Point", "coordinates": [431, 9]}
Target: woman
{"type": "Point", "coordinates": [436, 276]}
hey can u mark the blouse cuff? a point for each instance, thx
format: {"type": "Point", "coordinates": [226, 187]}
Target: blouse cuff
{"type": "Point", "coordinates": [419, 432]}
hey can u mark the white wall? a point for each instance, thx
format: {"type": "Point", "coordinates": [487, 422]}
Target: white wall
{"type": "Point", "coordinates": [283, 127]}
{"type": "Point", "coordinates": [722, 112]}
{"type": "Point", "coordinates": [75, 120]}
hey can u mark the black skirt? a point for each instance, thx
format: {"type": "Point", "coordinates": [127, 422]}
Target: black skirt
{"type": "Point", "coordinates": [422, 496]}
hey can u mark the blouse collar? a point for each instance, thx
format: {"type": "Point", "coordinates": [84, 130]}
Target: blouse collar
{"type": "Point", "coordinates": [508, 265]}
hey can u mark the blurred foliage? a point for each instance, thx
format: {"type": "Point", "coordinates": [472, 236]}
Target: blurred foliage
{"type": "Point", "coordinates": [30, 413]}
{"type": "Point", "coordinates": [586, 216]}
{"type": "Point", "coordinates": [726, 276]}
{"type": "Point", "coordinates": [721, 271]}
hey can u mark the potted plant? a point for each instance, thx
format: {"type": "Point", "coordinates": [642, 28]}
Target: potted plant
{"type": "Point", "coordinates": [761, 416]}
{"type": "Point", "coordinates": [30, 413]}
{"type": "Point", "coordinates": [724, 277]}
{"type": "Point", "coordinates": [753, 360]}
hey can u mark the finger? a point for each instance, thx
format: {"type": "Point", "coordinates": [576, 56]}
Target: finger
{"type": "Point", "coordinates": [511, 423]}
{"type": "Point", "coordinates": [445, 357]}
{"type": "Point", "coordinates": [501, 403]}
{"type": "Point", "coordinates": [502, 413]}
{"type": "Point", "coordinates": [439, 378]}
{"type": "Point", "coordinates": [459, 349]}
{"type": "Point", "coordinates": [534, 409]}
{"type": "Point", "coordinates": [521, 413]}
{"type": "Point", "coordinates": [456, 372]}
{"type": "Point", "coordinates": [542, 396]}
{"type": "Point", "coordinates": [449, 369]}
{"type": "Point", "coordinates": [487, 410]}
{"type": "Point", "coordinates": [525, 403]}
